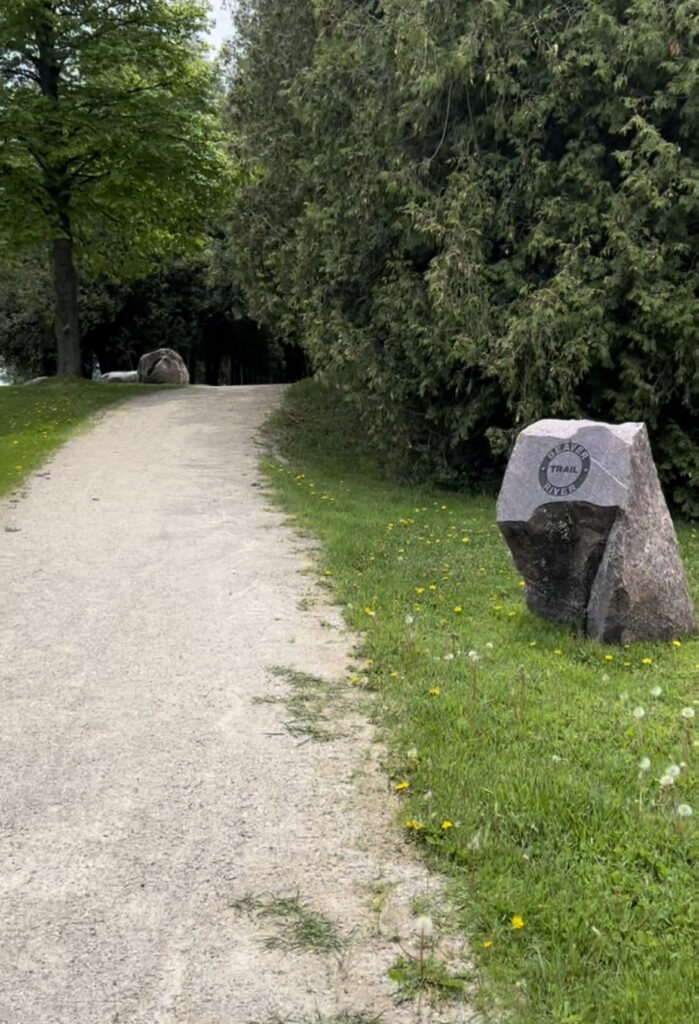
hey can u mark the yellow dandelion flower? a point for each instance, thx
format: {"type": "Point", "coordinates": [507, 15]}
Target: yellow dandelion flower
{"type": "Point", "coordinates": [676, 643]}
{"type": "Point", "coordinates": [447, 824]}
{"type": "Point", "coordinates": [609, 657]}
{"type": "Point", "coordinates": [369, 611]}
{"type": "Point", "coordinates": [458, 609]}
{"type": "Point", "coordinates": [646, 661]}
{"type": "Point", "coordinates": [419, 590]}
{"type": "Point", "coordinates": [413, 824]}
{"type": "Point", "coordinates": [517, 922]}
{"type": "Point", "coordinates": [434, 692]}
{"type": "Point", "coordinates": [487, 944]}
{"type": "Point", "coordinates": [521, 583]}
{"type": "Point", "coordinates": [557, 651]}
{"type": "Point", "coordinates": [402, 785]}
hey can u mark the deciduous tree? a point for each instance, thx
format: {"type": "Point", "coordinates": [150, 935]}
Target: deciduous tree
{"type": "Point", "coordinates": [109, 138]}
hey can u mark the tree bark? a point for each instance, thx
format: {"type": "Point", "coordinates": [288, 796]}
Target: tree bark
{"type": "Point", "coordinates": [66, 312]}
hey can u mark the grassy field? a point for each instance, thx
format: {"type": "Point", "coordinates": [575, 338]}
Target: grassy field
{"type": "Point", "coordinates": [551, 778]}
{"type": "Point", "coordinates": [35, 420]}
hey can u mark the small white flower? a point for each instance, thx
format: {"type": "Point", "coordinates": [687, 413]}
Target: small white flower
{"type": "Point", "coordinates": [666, 780]}
{"type": "Point", "coordinates": [638, 713]}
{"type": "Point", "coordinates": [687, 712]}
{"type": "Point", "coordinates": [473, 656]}
{"type": "Point", "coordinates": [684, 810]}
{"type": "Point", "coordinates": [656, 691]}
{"type": "Point", "coordinates": [409, 619]}
{"type": "Point", "coordinates": [644, 764]}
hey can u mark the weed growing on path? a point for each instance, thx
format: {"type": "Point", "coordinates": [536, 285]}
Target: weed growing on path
{"type": "Point", "coordinates": [299, 927]}
{"type": "Point", "coordinates": [308, 704]}
{"type": "Point", "coordinates": [525, 769]}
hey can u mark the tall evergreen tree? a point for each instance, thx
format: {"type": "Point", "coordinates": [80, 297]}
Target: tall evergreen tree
{"type": "Point", "coordinates": [484, 212]}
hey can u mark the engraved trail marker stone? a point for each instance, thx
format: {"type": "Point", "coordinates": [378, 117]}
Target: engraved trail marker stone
{"type": "Point", "coordinates": [583, 514]}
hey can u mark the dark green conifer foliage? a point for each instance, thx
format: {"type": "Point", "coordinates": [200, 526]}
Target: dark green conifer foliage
{"type": "Point", "coordinates": [475, 214]}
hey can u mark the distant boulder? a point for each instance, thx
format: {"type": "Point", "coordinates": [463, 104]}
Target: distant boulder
{"type": "Point", "coordinates": [164, 366]}
{"type": "Point", "coordinates": [120, 377]}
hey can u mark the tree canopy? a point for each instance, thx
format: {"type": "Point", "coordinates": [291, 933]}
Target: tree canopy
{"type": "Point", "coordinates": [110, 139]}
{"type": "Point", "coordinates": [475, 214]}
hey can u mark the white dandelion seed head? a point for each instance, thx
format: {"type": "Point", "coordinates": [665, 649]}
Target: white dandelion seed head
{"type": "Point", "coordinates": [448, 657]}
{"type": "Point", "coordinates": [656, 691]}
{"type": "Point", "coordinates": [673, 770]}
{"type": "Point", "coordinates": [684, 811]}
{"type": "Point", "coordinates": [473, 656]}
{"type": "Point", "coordinates": [409, 619]}
{"type": "Point", "coordinates": [489, 646]}
{"type": "Point", "coordinates": [644, 764]}
{"type": "Point", "coordinates": [424, 927]}
{"type": "Point", "coordinates": [666, 780]}
{"type": "Point", "coordinates": [638, 713]}
{"type": "Point", "coordinates": [687, 713]}
{"type": "Point", "coordinates": [624, 695]}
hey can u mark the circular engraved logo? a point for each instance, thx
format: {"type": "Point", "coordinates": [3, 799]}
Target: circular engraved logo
{"type": "Point", "coordinates": [564, 469]}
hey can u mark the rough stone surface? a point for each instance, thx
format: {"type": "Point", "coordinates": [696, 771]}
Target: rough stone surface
{"type": "Point", "coordinates": [585, 519]}
{"type": "Point", "coordinates": [164, 366]}
{"type": "Point", "coordinates": [120, 377]}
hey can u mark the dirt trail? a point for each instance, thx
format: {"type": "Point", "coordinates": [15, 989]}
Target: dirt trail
{"type": "Point", "coordinates": [153, 803]}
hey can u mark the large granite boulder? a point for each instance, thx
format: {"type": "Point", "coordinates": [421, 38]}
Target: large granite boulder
{"type": "Point", "coordinates": [583, 514]}
{"type": "Point", "coordinates": [164, 366]}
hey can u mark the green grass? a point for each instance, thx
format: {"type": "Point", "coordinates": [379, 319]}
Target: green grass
{"type": "Point", "coordinates": [299, 927]}
{"type": "Point", "coordinates": [513, 742]}
{"type": "Point", "coordinates": [307, 705]}
{"type": "Point", "coordinates": [36, 420]}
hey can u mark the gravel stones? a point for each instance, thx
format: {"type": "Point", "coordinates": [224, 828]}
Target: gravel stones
{"type": "Point", "coordinates": [583, 514]}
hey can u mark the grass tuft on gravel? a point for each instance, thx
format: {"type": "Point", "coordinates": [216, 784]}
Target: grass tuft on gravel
{"type": "Point", "coordinates": [553, 779]}
{"type": "Point", "coordinates": [298, 926]}
{"type": "Point", "coordinates": [37, 419]}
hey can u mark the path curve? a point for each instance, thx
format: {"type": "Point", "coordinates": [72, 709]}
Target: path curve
{"type": "Point", "coordinates": [147, 781]}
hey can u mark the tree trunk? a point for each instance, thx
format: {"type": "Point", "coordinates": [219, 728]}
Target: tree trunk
{"type": "Point", "coordinates": [66, 311]}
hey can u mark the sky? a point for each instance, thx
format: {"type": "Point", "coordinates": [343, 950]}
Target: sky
{"type": "Point", "coordinates": [222, 29]}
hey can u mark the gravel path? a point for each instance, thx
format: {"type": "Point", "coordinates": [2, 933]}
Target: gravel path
{"type": "Point", "coordinates": [154, 806]}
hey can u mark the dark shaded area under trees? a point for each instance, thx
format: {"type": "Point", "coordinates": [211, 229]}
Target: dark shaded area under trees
{"type": "Point", "coordinates": [181, 305]}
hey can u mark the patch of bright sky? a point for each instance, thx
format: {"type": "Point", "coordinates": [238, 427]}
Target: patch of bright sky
{"type": "Point", "coordinates": [222, 27]}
